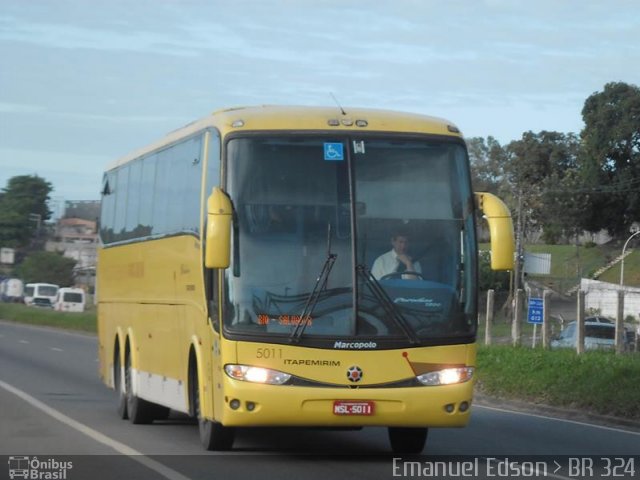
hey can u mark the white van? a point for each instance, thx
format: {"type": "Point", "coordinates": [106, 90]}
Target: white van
{"type": "Point", "coordinates": [39, 294]}
{"type": "Point", "coordinates": [11, 290]}
{"type": "Point", "coordinates": [70, 300]}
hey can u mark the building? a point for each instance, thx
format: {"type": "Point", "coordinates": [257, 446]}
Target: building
{"type": "Point", "coordinates": [84, 209]}
{"type": "Point", "coordinates": [77, 238]}
{"type": "Point", "coordinates": [602, 297]}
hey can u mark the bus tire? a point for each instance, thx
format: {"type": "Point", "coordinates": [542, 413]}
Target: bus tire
{"type": "Point", "coordinates": [407, 440]}
{"type": "Point", "coordinates": [140, 411]}
{"type": "Point", "coordinates": [117, 379]}
{"type": "Point", "coordinates": [213, 435]}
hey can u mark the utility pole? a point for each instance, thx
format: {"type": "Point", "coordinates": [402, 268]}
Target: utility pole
{"type": "Point", "coordinates": [517, 270]}
{"type": "Point", "coordinates": [36, 217]}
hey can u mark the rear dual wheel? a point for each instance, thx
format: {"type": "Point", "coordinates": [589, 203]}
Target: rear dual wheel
{"type": "Point", "coordinates": [139, 411]}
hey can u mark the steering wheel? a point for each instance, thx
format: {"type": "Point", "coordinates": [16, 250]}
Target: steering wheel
{"type": "Point", "coordinates": [400, 274]}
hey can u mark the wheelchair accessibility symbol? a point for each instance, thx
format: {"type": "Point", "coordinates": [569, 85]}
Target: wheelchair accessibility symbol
{"type": "Point", "coordinates": [333, 152]}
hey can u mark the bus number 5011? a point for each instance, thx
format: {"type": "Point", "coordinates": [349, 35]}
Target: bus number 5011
{"type": "Point", "coordinates": [269, 353]}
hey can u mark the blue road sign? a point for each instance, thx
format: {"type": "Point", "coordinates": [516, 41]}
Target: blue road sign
{"type": "Point", "coordinates": [534, 314]}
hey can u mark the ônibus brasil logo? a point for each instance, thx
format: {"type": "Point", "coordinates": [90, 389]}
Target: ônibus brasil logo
{"type": "Point", "coordinates": [35, 469]}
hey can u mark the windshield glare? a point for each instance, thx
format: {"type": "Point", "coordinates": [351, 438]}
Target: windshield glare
{"type": "Point", "coordinates": [298, 202]}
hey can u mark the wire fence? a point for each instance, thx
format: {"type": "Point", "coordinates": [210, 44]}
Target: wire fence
{"type": "Point", "coordinates": [546, 320]}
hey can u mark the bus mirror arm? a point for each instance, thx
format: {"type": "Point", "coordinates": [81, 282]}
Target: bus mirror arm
{"type": "Point", "coordinates": [218, 230]}
{"type": "Point", "coordinates": [500, 228]}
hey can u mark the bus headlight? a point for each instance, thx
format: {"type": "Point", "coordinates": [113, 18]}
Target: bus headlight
{"type": "Point", "coordinates": [448, 376]}
{"type": "Point", "coordinates": [256, 374]}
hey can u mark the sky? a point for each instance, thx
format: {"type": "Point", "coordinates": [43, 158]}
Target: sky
{"type": "Point", "coordinates": [84, 82]}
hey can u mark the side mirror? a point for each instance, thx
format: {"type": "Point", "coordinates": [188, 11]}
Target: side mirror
{"type": "Point", "coordinates": [500, 228]}
{"type": "Point", "coordinates": [218, 234]}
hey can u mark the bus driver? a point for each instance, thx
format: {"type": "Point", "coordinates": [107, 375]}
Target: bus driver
{"type": "Point", "coordinates": [396, 260]}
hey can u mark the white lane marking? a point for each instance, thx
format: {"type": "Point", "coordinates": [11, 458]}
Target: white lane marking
{"type": "Point", "coordinates": [56, 349]}
{"type": "Point", "coordinates": [558, 419]}
{"type": "Point", "coordinates": [139, 457]}
{"type": "Point", "coordinates": [24, 341]}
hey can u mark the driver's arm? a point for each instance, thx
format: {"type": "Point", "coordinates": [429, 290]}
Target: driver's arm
{"type": "Point", "coordinates": [377, 270]}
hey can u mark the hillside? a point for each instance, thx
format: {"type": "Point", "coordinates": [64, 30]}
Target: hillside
{"type": "Point", "coordinates": [570, 263]}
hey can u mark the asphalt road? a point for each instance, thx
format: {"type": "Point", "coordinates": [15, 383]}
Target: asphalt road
{"type": "Point", "coordinates": [54, 407]}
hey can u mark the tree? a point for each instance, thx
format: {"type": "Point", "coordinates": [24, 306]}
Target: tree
{"type": "Point", "coordinates": [47, 267]}
{"type": "Point", "coordinates": [563, 207]}
{"type": "Point", "coordinates": [540, 172]}
{"type": "Point", "coordinates": [23, 207]}
{"type": "Point", "coordinates": [487, 160]}
{"type": "Point", "coordinates": [610, 160]}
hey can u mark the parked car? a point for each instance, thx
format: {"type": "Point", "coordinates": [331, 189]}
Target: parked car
{"type": "Point", "coordinates": [599, 333]}
{"type": "Point", "coordinates": [598, 319]}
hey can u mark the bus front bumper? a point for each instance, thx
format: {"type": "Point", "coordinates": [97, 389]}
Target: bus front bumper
{"type": "Point", "coordinates": [251, 404]}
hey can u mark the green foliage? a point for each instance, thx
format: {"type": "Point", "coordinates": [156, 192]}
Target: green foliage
{"type": "Point", "coordinates": [487, 160]}
{"type": "Point", "coordinates": [23, 205]}
{"type": "Point", "coordinates": [47, 267]}
{"type": "Point", "coordinates": [541, 168]}
{"type": "Point", "coordinates": [610, 158]}
{"type": "Point", "coordinates": [563, 378]}
{"type": "Point", "coordinates": [489, 279]}
{"type": "Point", "coordinates": [593, 312]}
{"type": "Point", "coordinates": [538, 156]}
{"type": "Point", "coordinates": [552, 234]}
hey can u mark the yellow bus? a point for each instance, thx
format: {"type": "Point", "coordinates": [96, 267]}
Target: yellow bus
{"type": "Point", "coordinates": [236, 273]}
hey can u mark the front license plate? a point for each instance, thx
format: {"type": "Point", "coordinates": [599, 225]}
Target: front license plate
{"type": "Point", "coordinates": [341, 407]}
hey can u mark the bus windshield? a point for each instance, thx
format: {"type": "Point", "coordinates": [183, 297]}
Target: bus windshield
{"type": "Point", "coordinates": [317, 233]}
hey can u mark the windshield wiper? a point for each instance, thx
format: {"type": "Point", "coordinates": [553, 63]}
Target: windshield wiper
{"type": "Point", "coordinates": [386, 303]}
{"type": "Point", "coordinates": [314, 296]}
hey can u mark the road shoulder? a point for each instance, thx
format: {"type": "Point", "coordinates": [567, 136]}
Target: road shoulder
{"type": "Point", "coordinates": [554, 411]}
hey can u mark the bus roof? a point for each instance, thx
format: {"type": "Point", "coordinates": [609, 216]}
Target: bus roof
{"type": "Point", "coordinates": [300, 118]}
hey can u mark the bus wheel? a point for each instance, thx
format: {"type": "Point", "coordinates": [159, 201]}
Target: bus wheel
{"type": "Point", "coordinates": [213, 435]}
{"type": "Point", "coordinates": [122, 396]}
{"type": "Point", "coordinates": [140, 411]}
{"type": "Point", "coordinates": [407, 440]}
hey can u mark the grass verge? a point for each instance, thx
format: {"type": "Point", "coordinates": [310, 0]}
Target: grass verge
{"type": "Point", "coordinates": [15, 312]}
{"type": "Point", "coordinates": [597, 382]}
